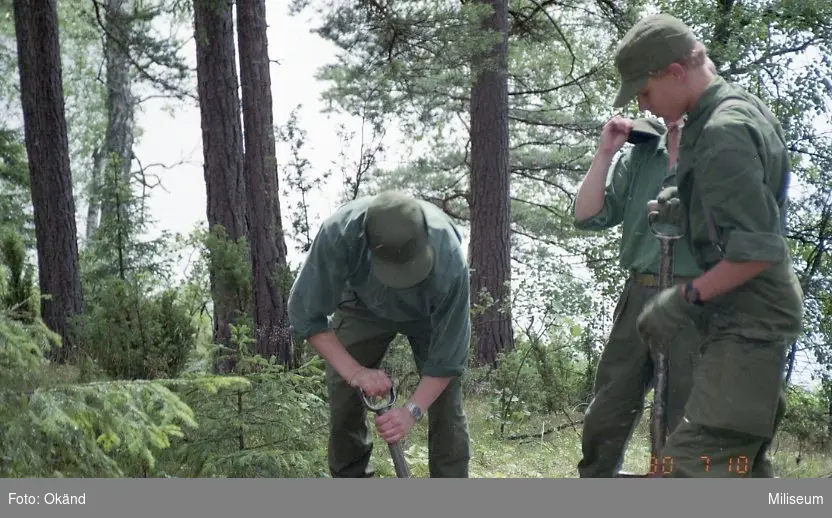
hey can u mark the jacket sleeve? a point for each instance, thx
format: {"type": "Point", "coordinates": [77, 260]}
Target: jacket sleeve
{"type": "Point", "coordinates": [731, 179]}
{"type": "Point", "coordinates": [451, 331]}
{"type": "Point", "coordinates": [615, 196]}
{"type": "Point", "coordinates": [317, 289]}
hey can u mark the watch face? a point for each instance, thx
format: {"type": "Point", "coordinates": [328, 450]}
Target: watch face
{"type": "Point", "coordinates": [692, 294]}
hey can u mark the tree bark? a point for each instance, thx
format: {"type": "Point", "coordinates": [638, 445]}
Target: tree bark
{"type": "Point", "coordinates": [490, 194]}
{"type": "Point", "coordinates": [222, 147]}
{"type": "Point", "coordinates": [94, 195]}
{"type": "Point", "coordinates": [268, 246]}
{"type": "Point", "coordinates": [42, 99]}
{"type": "Point", "coordinates": [117, 159]}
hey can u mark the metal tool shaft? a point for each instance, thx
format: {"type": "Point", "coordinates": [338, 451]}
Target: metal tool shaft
{"type": "Point", "coordinates": [658, 425]}
{"type": "Point", "coordinates": [658, 418]}
{"type": "Point", "coordinates": [399, 461]}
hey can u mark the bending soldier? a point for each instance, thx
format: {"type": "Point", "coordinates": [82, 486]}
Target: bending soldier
{"type": "Point", "coordinates": [388, 264]}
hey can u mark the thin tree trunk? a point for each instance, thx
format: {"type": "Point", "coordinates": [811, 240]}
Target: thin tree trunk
{"type": "Point", "coordinates": [222, 146]}
{"type": "Point", "coordinates": [118, 141]}
{"type": "Point", "coordinates": [489, 199]}
{"type": "Point", "coordinates": [94, 195]}
{"type": "Point", "coordinates": [42, 98]}
{"type": "Point", "coordinates": [268, 246]}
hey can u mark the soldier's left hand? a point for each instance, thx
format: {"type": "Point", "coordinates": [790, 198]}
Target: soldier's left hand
{"type": "Point", "coordinates": [394, 425]}
{"type": "Point", "coordinates": [663, 316]}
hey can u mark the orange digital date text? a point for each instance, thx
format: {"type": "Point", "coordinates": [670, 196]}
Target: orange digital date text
{"type": "Point", "coordinates": [738, 465]}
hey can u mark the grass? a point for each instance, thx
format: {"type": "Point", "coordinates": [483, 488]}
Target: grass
{"type": "Point", "coordinates": [556, 454]}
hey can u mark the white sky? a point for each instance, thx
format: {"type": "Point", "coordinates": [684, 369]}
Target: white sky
{"type": "Point", "coordinates": [171, 139]}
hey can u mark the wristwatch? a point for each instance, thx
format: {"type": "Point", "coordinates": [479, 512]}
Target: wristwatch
{"type": "Point", "coordinates": [692, 295]}
{"type": "Point", "coordinates": [414, 410]}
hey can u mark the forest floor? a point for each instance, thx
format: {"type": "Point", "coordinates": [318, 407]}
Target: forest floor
{"type": "Point", "coordinates": [552, 452]}
{"type": "Point", "coordinates": [556, 454]}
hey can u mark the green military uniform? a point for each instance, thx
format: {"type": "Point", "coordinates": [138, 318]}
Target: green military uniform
{"type": "Point", "coordinates": [339, 276]}
{"type": "Point", "coordinates": [733, 173]}
{"type": "Point", "coordinates": [733, 177]}
{"type": "Point", "coordinates": [625, 370]}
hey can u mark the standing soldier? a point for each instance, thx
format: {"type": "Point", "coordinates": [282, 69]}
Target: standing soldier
{"type": "Point", "coordinates": [388, 264]}
{"type": "Point", "coordinates": [732, 177]}
{"type": "Point", "coordinates": [610, 196]}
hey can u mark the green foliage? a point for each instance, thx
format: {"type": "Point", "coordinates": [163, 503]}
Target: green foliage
{"type": "Point", "coordinates": [536, 378]}
{"type": "Point", "coordinates": [57, 429]}
{"type": "Point", "coordinates": [15, 199]}
{"type": "Point", "coordinates": [135, 335]}
{"type": "Point", "coordinates": [299, 178]}
{"type": "Point", "coordinates": [117, 249]}
{"type": "Point", "coordinates": [270, 426]}
{"type": "Point", "coordinates": [18, 293]}
{"type": "Point", "coordinates": [807, 418]}
{"type": "Point", "coordinates": [230, 265]}
{"type": "Point", "coordinates": [195, 288]}
{"type": "Point", "coordinates": [155, 56]}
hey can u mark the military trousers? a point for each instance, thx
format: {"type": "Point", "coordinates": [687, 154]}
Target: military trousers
{"type": "Point", "coordinates": [367, 338]}
{"type": "Point", "coordinates": [735, 408]}
{"type": "Point", "coordinates": [623, 378]}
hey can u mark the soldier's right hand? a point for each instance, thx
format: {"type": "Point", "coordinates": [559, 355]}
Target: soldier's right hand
{"type": "Point", "coordinates": [373, 382]}
{"type": "Point", "coordinates": [614, 134]}
{"type": "Point", "coordinates": [667, 211]}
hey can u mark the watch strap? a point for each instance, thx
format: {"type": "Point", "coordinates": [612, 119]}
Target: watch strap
{"type": "Point", "coordinates": [692, 295]}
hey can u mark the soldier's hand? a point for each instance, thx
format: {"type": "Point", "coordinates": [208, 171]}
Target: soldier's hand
{"type": "Point", "coordinates": [394, 425]}
{"type": "Point", "coordinates": [664, 315]}
{"type": "Point", "coordinates": [666, 209]}
{"type": "Point", "coordinates": [614, 134]}
{"type": "Point", "coordinates": [373, 382]}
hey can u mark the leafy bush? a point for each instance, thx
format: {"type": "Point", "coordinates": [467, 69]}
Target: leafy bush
{"type": "Point", "coordinates": [272, 426]}
{"type": "Point", "coordinates": [133, 336]}
{"type": "Point", "coordinates": [53, 428]}
{"type": "Point", "coordinates": [807, 418]}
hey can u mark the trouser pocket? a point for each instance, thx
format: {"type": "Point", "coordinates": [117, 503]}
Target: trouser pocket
{"type": "Point", "coordinates": [737, 385]}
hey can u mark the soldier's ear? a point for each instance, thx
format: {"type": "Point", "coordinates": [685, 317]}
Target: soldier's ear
{"type": "Point", "coordinates": [676, 70]}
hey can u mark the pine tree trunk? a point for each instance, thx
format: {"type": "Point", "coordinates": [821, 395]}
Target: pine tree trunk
{"type": "Point", "coordinates": [42, 99]}
{"type": "Point", "coordinates": [94, 195]}
{"type": "Point", "coordinates": [268, 246]}
{"type": "Point", "coordinates": [490, 194]}
{"type": "Point", "coordinates": [222, 146]}
{"type": "Point", "coordinates": [117, 158]}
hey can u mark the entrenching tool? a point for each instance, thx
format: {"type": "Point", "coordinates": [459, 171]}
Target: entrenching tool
{"type": "Point", "coordinates": [399, 462]}
{"type": "Point", "coordinates": [658, 418]}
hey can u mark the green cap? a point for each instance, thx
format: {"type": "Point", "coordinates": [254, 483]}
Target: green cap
{"type": "Point", "coordinates": [644, 130]}
{"type": "Point", "coordinates": [400, 255]}
{"type": "Point", "coordinates": [650, 45]}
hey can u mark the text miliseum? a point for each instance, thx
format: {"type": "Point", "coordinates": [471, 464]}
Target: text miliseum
{"type": "Point", "coordinates": [790, 499]}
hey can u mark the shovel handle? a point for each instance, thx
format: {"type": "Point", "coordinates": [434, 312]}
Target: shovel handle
{"type": "Point", "coordinates": [651, 222]}
{"type": "Point", "coordinates": [381, 407]}
{"type": "Point", "coordinates": [399, 462]}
